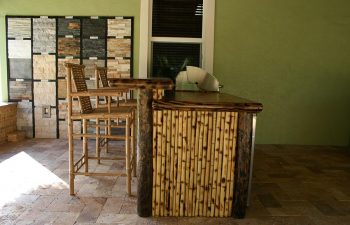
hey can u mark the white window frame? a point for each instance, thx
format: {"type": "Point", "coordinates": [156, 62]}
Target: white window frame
{"type": "Point", "coordinates": [146, 39]}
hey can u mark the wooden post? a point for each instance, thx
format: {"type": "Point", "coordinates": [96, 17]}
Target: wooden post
{"type": "Point", "coordinates": [242, 164]}
{"type": "Point", "coordinates": [144, 148]}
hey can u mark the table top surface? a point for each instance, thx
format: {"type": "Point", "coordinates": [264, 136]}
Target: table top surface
{"type": "Point", "coordinates": [147, 83]}
{"type": "Point", "coordinates": [197, 100]}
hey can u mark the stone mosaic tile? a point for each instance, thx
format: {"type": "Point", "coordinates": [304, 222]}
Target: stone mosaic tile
{"type": "Point", "coordinates": [118, 68]}
{"type": "Point", "coordinates": [19, 28]}
{"type": "Point", "coordinates": [44, 93]}
{"type": "Point", "coordinates": [118, 47]}
{"type": "Point", "coordinates": [62, 88]}
{"type": "Point", "coordinates": [94, 27]}
{"type": "Point", "coordinates": [20, 90]}
{"type": "Point", "coordinates": [20, 68]}
{"type": "Point", "coordinates": [69, 47]}
{"type": "Point", "coordinates": [63, 107]}
{"type": "Point", "coordinates": [44, 67]}
{"type": "Point", "coordinates": [45, 127]}
{"type": "Point", "coordinates": [25, 118]}
{"type": "Point", "coordinates": [44, 35]}
{"type": "Point", "coordinates": [90, 66]}
{"type": "Point", "coordinates": [94, 48]}
{"type": "Point", "coordinates": [19, 49]}
{"type": "Point", "coordinates": [62, 69]}
{"type": "Point", "coordinates": [91, 84]}
{"type": "Point", "coordinates": [119, 27]}
{"type": "Point", "coordinates": [68, 27]}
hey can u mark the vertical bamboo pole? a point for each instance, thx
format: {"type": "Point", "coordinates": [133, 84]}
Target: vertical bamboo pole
{"type": "Point", "coordinates": [204, 162]}
{"type": "Point", "coordinates": [172, 162]}
{"type": "Point", "coordinates": [212, 162]}
{"type": "Point", "coordinates": [224, 164]}
{"type": "Point", "coordinates": [190, 208]}
{"type": "Point", "coordinates": [127, 147]}
{"type": "Point", "coordinates": [159, 160]}
{"type": "Point", "coordinates": [97, 144]}
{"type": "Point", "coordinates": [200, 188]}
{"type": "Point", "coordinates": [208, 137]}
{"type": "Point", "coordinates": [154, 157]}
{"type": "Point", "coordinates": [196, 160]}
{"type": "Point", "coordinates": [85, 147]}
{"type": "Point", "coordinates": [162, 174]}
{"type": "Point", "coordinates": [233, 159]}
{"type": "Point", "coordinates": [216, 163]}
{"type": "Point", "coordinates": [168, 162]}
{"type": "Point", "coordinates": [133, 141]}
{"type": "Point", "coordinates": [218, 186]}
{"type": "Point", "coordinates": [183, 163]}
{"type": "Point", "coordinates": [188, 161]}
{"type": "Point", "coordinates": [179, 164]}
{"type": "Point", "coordinates": [70, 132]}
{"type": "Point", "coordinates": [176, 172]}
{"type": "Point", "coordinates": [229, 174]}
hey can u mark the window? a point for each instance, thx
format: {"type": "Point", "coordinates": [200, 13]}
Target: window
{"type": "Point", "coordinates": [174, 34]}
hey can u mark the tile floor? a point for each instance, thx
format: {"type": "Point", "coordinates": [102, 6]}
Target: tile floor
{"type": "Point", "coordinates": [303, 185]}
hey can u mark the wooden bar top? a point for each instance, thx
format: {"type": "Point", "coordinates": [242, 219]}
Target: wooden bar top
{"type": "Point", "coordinates": [210, 101]}
{"type": "Point", "coordinates": [149, 83]}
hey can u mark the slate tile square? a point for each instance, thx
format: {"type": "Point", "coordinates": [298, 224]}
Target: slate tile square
{"type": "Point", "coordinates": [68, 27]}
{"type": "Point", "coordinates": [94, 48]}
{"type": "Point", "coordinates": [69, 47]}
{"type": "Point", "coordinates": [44, 35]}
{"type": "Point", "coordinates": [19, 28]}
{"type": "Point", "coordinates": [94, 27]}
{"type": "Point", "coordinates": [20, 68]}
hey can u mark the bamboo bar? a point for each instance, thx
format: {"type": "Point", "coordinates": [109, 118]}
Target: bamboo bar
{"type": "Point", "coordinates": [197, 156]}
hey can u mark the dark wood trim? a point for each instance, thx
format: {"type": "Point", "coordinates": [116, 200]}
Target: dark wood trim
{"type": "Point", "coordinates": [243, 151]}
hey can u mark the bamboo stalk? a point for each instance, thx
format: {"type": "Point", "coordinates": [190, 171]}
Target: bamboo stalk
{"type": "Point", "coordinates": [168, 162]}
{"type": "Point", "coordinates": [216, 163]}
{"type": "Point", "coordinates": [200, 188]}
{"type": "Point", "coordinates": [154, 157]}
{"type": "Point", "coordinates": [207, 165]}
{"type": "Point", "coordinates": [188, 161]}
{"type": "Point", "coordinates": [229, 174]}
{"type": "Point", "coordinates": [218, 187]}
{"type": "Point", "coordinates": [196, 157]}
{"type": "Point", "coordinates": [224, 164]}
{"type": "Point", "coordinates": [85, 147]}
{"type": "Point", "coordinates": [162, 173]}
{"type": "Point", "coordinates": [127, 148]}
{"type": "Point", "coordinates": [172, 163]}
{"type": "Point", "coordinates": [204, 162]}
{"type": "Point", "coordinates": [183, 163]}
{"type": "Point", "coordinates": [233, 158]}
{"type": "Point", "coordinates": [192, 167]}
{"type": "Point", "coordinates": [175, 205]}
{"type": "Point", "coordinates": [159, 160]}
{"type": "Point", "coordinates": [179, 165]}
{"type": "Point", "coordinates": [212, 160]}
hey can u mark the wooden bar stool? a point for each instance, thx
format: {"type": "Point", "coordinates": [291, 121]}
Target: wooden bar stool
{"type": "Point", "coordinates": [103, 117]}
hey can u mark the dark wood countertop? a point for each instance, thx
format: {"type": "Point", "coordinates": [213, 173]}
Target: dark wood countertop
{"type": "Point", "coordinates": [148, 83]}
{"type": "Point", "coordinates": [211, 101]}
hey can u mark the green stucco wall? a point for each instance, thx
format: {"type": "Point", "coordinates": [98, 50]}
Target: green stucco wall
{"type": "Point", "coordinates": [291, 55]}
{"type": "Point", "coordinates": [65, 8]}
{"type": "Point", "coordinates": [294, 57]}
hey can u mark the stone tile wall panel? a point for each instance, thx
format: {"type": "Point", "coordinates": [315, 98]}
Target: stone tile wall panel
{"type": "Point", "coordinates": [45, 127]}
{"type": "Point", "coordinates": [118, 68]}
{"type": "Point", "coordinates": [44, 67]}
{"type": "Point", "coordinates": [25, 118]}
{"type": "Point", "coordinates": [94, 27]}
{"type": "Point", "coordinates": [44, 35]}
{"type": "Point", "coordinates": [119, 27]}
{"type": "Point", "coordinates": [44, 93]}
{"type": "Point", "coordinates": [68, 27]}
{"type": "Point", "coordinates": [20, 90]}
{"type": "Point", "coordinates": [7, 120]}
{"type": "Point", "coordinates": [62, 69]}
{"type": "Point", "coordinates": [19, 49]}
{"type": "Point", "coordinates": [90, 66]}
{"type": "Point", "coordinates": [19, 28]}
{"type": "Point", "coordinates": [20, 68]}
{"type": "Point", "coordinates": [118, 47]}
{"type": "Point", "coordinates": [62, 88]}
{"type": "Point", "coordinates": [69, 47]}
{"type": "Point", "coordinates": [94, 48]}
{"type": "Point", "coordinates": [63, 129]}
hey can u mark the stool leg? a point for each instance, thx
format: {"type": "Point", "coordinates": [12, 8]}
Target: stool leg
{"type": "Point", "coordinates": [85, 147]}
{"type": "Point", "coordinates": [133, 146]}
{"type": "Point", "coordinates": [71, 157]}
{"type": "Point", "coordinates": [127, 149]}
{"type": "Point", "coordinates": [98, 148]}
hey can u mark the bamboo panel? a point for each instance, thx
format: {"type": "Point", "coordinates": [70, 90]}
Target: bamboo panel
{"type": "Point", "coordinates": [193, 163]}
